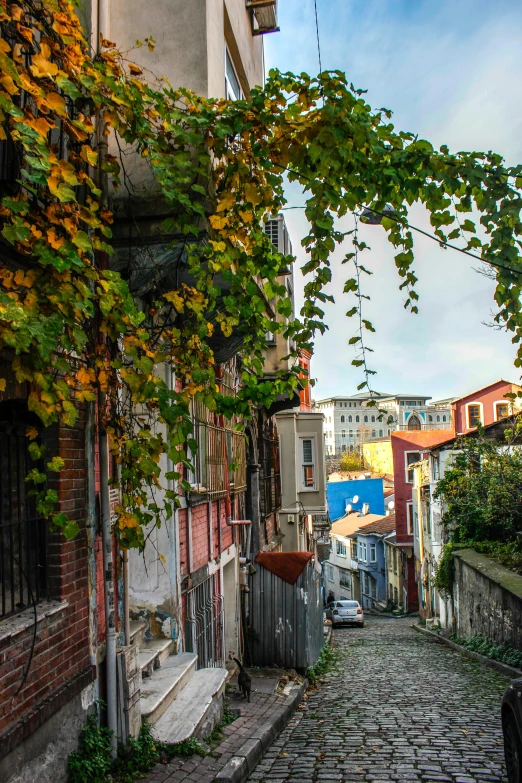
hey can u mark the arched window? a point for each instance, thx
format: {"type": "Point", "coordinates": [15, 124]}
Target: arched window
{"type": "Point", "coordinates": [438, 418]}
{"type": "Point", "coordinates": [366, 419]}
{"type": "Point", "coordinates": [357, 419]}
{"type": "Point", "coordinates": [380, 433]}
{"type": "Point", "coordinates": [350, 419]}
{"type": "Point", "coordinates": [373, 433]}
{"type": "Point", "coordinates": [343, 433]}
{"type": "Point", "coordinates": [414, 423]}
{"type": "Point", "coordinates": [430, 417]}
{"type": "Point", "coordinates": [344, 447]}
{"type": "Point", "coordinates": [443, 418]}
{"type": "Point", "coordinates": [342, 419]}
{"type": "Point", "coordinates": [350, 433]}
{"type": "Point", "coordinates": [373, 419]}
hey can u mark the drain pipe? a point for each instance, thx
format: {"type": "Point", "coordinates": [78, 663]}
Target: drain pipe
{"type": "Point", "coordinates": [105, 506]}
{"type": "Point", "coordinates": [108, 570]}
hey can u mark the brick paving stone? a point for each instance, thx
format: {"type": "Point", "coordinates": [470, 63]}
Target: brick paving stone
{"type": "Point", "coordinates": [400, 707]}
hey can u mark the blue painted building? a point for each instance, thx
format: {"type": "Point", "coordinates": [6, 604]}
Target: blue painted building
{"type": "Point", "coordinates": [371, 560]}
{"type": "Point", "coordinates": [368, 491]}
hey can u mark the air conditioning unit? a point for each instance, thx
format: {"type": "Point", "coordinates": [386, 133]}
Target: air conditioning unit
{"type": "Point", "coordinates": [276, 229]}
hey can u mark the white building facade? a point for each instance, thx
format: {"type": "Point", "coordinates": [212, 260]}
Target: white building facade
{"type": "Point", "coordinates": [352, 420]}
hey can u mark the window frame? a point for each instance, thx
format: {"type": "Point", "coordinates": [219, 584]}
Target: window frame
{"type": "Point", "coordinates": [410, 524]}
{"type": "Point", "coordinates": [373, 553]}
{"type": "Point", "coordinates": [495, 409]}
{"type": "Point", "coordinates": [340, 548]}
{"type": "Point", "coordinates": [474, 404]}
{"type": "Point", "coordinates": [229, 91]}
{"type": "Point", "coordinates": [303, 487]}
{"type": "Point", "coordinates": [407, 469]}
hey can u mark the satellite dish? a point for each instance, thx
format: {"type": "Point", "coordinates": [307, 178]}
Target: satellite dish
{"type": "Point", "coordinates": [362, 476]}
{"type": "Point", "coordinates": [391, 505]}
{"type": "Point", "coordinates": [348, 508]}
{"type": "Point", "coordinates": [355, 498]}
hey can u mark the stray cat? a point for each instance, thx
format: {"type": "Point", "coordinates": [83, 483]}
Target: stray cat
{"type": "Point", "coordinates": [244, 680]}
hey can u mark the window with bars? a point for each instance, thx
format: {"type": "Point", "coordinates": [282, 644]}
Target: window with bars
{"type": "Point", "coordinates": [308, 464]}
{"type": "Point", "coordinates": [23, 534]}
{"type": "Point", "coordinates": [220, 449]}
{"type": "Point", "coordinates": [272, 231]}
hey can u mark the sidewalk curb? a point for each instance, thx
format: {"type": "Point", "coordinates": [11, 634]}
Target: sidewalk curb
{"type": "Point", "coordinates": [502, 668]}
{"type": "Point", "coordinates": [251, 752]}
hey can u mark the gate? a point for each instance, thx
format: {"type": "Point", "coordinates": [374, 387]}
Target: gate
{"type": "Point", "coordinates": [23, 535]}
{"type": "Point", "coordinates": [204, 629]}
{"type": "Point", "coordinates": [285, 621]}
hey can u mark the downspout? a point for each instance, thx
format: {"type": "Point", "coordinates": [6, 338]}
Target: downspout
{"type": "Point", "coordinates": [108, 565]}
{"type": "Point", "coordinates": [174, 551]}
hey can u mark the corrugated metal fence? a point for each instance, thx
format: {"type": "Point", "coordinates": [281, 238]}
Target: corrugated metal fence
{"type": "Point", "coordinates": [285, 621]}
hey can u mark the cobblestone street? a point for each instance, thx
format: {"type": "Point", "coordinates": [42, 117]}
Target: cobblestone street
{"type": "Point", "coordinates": [400, 708]}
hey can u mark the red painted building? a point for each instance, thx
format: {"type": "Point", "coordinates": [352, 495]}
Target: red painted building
{"type": "Point", "coordinates": [485, 405]}
{"type": "Point", "coordinates": [409, 447]}
{"type": "Point", "coordinates": [305, 394]}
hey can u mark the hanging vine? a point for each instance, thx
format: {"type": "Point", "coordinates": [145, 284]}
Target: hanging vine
{"type": "Point", "coordinates": [69, 321]}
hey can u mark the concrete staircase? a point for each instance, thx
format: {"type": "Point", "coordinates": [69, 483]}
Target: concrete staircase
{"type": "Point", "coordinates": [178, 699]}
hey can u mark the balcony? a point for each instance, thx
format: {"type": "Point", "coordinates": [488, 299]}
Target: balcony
{"type": "Point", "coordinates": [263, 14]}
{"type": "Point", "coordinates": [439, 425]}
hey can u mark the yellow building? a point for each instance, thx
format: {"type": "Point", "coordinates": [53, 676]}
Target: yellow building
{"type": "Point", "coordinates": [378, 456]}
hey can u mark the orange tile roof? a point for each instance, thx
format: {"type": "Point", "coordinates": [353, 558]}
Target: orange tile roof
{"type": "Point", "coordinates": [427, 438]}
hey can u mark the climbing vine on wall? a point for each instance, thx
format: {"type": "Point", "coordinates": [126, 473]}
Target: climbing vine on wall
{"type": "Point", "coordinates": [69, 321]}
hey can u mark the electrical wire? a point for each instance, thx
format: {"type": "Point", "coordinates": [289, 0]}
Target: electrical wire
{"type": "Point", "coordinates": [317, 33]}
{"type": "Point", "coordinates": [435, 239]}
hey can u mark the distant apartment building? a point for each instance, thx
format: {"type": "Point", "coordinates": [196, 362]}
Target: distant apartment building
{"type": "Point", "coordinates": [352, 421]}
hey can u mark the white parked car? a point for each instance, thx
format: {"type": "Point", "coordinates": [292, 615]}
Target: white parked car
{"type": "Point", "coordinates": [345, 613]}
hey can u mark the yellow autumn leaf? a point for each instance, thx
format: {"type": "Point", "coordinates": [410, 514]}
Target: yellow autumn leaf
{"type": "Point", "coordinates": [40, 125]}
{"type": "Point", "coordinates": [252, 194]}
{"type": "Point", "coordinates": [3, 137]}
{"type": "Point", "coordinates": [55, 241]}
{"type": "Point", "coordinates": [16, 12]}
{"type": "Point", "coordinates": [226, 202]}
{"type": "Point", "coordinates": [8, 84]}
{"type": "Point", "coordinates": [4, 46]}
{"type": "Point", "coordinates": [23, 279]}
{"type": "Point", "coordinates": [85, 375]}
{"type": "Point", "coordinates": [41, 67]}
{"type": "Point", "coordinates": [56, 103]}
{"type": "Point", "coordinates": [218, 222]}
{"type": "Point", "coordinates": [89, 155]}
{"type": "Point", "coordinates": [2, 384]}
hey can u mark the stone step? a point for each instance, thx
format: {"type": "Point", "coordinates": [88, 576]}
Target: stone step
{"type": "Point", "coordinates": [137, 631]}
{"type": "Point", "coordinates": [195, 710]}
{"type": "Point", "coordinates": [158, 690]}
{"type": "Point", "coordinates": [152, 653]}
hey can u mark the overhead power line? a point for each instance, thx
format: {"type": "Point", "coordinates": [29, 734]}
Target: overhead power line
{"type": "Point", "coordinates": [317, 32]}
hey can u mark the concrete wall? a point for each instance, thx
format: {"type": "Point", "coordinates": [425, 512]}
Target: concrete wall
{"type": "Point", "coordinates": [339, 493]}
{"type": "Point", "coordinates": [378, 456]}
{"type": "Point", "coordinates": [487, 599]}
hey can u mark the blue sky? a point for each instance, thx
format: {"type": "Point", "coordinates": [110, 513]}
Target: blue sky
{"type": "Point", "coordinates": [451, 72]}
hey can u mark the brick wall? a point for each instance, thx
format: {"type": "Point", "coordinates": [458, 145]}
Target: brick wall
{"type": "Point", "coordinates": [61, 645]}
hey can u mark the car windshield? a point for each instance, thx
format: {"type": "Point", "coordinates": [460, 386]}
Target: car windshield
{"type": "Point", "coordinates": [349, 604]}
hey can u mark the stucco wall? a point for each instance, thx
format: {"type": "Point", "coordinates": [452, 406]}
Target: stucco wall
{"type": "Point", "coordinates": [339, 493]}
{"type": "Point", "coordinates": [487, 599]}
{"type": "Point", "coordinates": [378, 456]}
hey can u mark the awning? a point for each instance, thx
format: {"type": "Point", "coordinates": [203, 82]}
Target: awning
{"type": "Point", "coordinates": [286, 565]}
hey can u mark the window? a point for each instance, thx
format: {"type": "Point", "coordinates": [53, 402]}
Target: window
{"type": "Point", "coordinates": [443, 418]}
{"type": "Point", "coordinates": [342, 419]}
{"type": "Point", "coordinates": [362, 551]}
{"type": "Point", "coordinates": [366, 419]}
{"type": "Point", "coordinates": [435, 467]}
{"type": "Point", "coordinates": [501, 410]}
{"type": "Point", "coordinates": [233, 91]}
{"type": "Point", "coordinates": [438, 418]}
{"type": "Point", "coordinates": [344, 447]}
{"type": "Point", "coordinates": [373, 433]}
{"type": "Point", "coordinates": [344, 578]}
{"type": "Point", "coordinates": [353, 550]}
{"type": "Point", "coordinates": [340, 548]}
{"type": "Point", "coordinates": [373, 419]}
{"type": "Point", "coordinates": [350, 419]}
{"type": "Point", "coordinates": [343, 433]}
{"type": "Point", "coordinates": [380, 433]}
{"type": "Point", "coordinates": [330, 573]}
{"type": "Point", "coordinates": [308, 469]}
{"type": "Point", "coordinates": [474, 415]}
{"type": "Point", "coordinates": [430, 417]}
{"type": "Point", "coordinates": [357, 419]}
{"type": "Point", "coordinates": [373, 553]}
{"type": "Point", "coordinates": [409, 517]}
{"type": "Point", "coordinates": [410, 458]}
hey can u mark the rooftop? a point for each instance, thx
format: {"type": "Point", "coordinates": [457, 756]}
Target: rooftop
{"type": "Point", "coordinates": [352, 522]}
{"type": "Point", "coordinates": [381, 526]}
{"type": "Point", "coordinates": [426, 438]}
